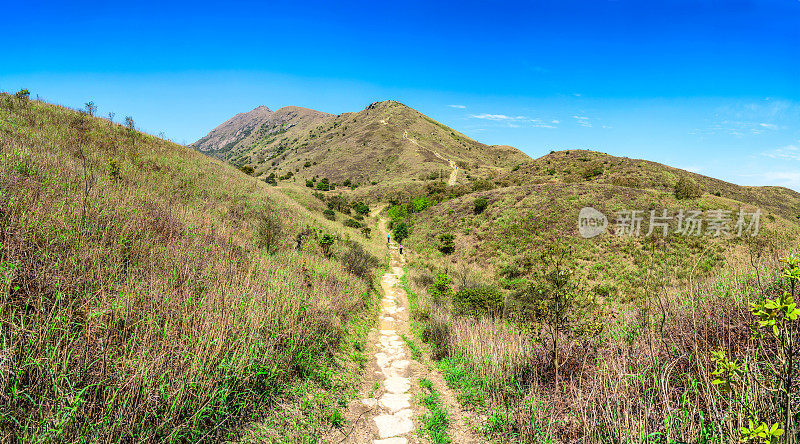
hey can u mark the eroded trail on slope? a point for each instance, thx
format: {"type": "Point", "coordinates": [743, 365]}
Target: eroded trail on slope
{"type": "Point", "coordinates": [451, 181]}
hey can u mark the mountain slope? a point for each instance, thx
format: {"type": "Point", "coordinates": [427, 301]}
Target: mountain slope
{"type": "Point", "coordinates": [150, 293]}
{"type": "Point", "coordinates": [387, 143]}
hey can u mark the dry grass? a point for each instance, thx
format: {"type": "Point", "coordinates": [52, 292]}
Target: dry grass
{"type": "Point", "coordinates": [645, 379]}
{"type": "Point", "coordinates": [141, 306]}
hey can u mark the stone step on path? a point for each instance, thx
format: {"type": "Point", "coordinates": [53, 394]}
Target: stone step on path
{"type": "Point", "coordinates": [394, 414]}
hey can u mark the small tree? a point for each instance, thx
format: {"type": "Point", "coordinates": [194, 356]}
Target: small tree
{"type": "Point", "coordinates": [91, 108]}
{"type": "Point", "coordinates": [448, 243]}
{"type": "Point", "coordinates": [686, 188]}
{"type": "Point", "coordinates": [400, 232]}
{"type": "Point", "coordinates": [129, 123]}
{"type": "Point", "coordinates": [552, 298]}
{"type": "Point", "coordinates": [111, 117]}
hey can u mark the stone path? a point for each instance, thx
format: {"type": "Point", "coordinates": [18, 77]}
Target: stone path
{"type": "Point", "coordinates": [393, 415]}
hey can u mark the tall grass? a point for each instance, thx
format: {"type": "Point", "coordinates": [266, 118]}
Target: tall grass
{"type": "Point", "coordinates": [137, 301]}
{"type": "Point", "coordinates": [646, 379]}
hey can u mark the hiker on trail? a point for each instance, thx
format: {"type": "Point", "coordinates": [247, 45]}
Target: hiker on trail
{"type": "Point", "coordinates": [388, 238]}
{"type": "Point", "coordinates": [401, 248]}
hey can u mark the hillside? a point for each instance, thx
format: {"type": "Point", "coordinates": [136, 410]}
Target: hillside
{"type": "Point", "coordinates": [150, 293]}
{"type": "Point", "coordinates": [538, 204]}
{"type": "Point", "coordinates": [386, 144]}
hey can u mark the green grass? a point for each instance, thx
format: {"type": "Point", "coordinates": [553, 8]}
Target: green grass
{"type": "Point", "coordinates": [436, 420]}
{"type": "Point", "coordinates": [416, 352]}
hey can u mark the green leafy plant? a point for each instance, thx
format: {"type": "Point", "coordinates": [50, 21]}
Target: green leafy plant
{"type": "Point", "coordinates": [480, 204]}
{"type": "Point", "coordinates": [400, 232]}
{"type": "Point", "coordinates": [326, 242]}
{"type": "Point", "coordinates": [686, 188]}
{"type": "Point", "coordinates": [448, 245]}
{"type": "Point", "coordinates": [442, 288]}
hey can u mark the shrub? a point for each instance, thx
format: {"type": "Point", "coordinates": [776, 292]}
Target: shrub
{"type": "Point", "coordinates": [326, 242]}
{"type": "Point", "coordinates": [324, 185]}
{"type": "Point", "coordinates": [480, 300]}
{"type": "Point", "coordinates": [269, 231]}
{"type": "Point", "coordinates": [480, 205]}
{"type": "Point", "coordinates": [441, 289]}
{"type": "Point", "coordinates": [309, 183]}
{"type": "Point", "coordinates": [448, 245]}
{"type": "Point", "coordinates": [113, 170]}
{"type": "Point", "coordinates": [23, 95]}
{"type": "Point", "coordinates": [592, 171]}
{"type": "Point", "coordinates": [247, 169]}
{"type": "Point", "coordinates": [358, 261]}
{"type": "Point", "coordinates": [482, 185]}
{"type": "Point", "coordinates": [361, 208]}
{"type": "Point", "coordinates": [329, 214]}
{"type": "Point", "coordinates": [351, 223]}
{"type": "Point", "coordinates": [319, 195]}
{"type": "Point", "coordinates": [366, 231]}
{"type": "Point", "coordinates": [271, 180]}
{"type": "Point", "coordinates": [686, 188]}
{"type": "Point", "coordinates": [400, 232]}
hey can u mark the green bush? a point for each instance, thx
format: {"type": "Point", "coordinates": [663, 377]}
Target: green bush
{"type": "Point", "coordinates": [326, 242]}
{"type": "Point", "coordinates": [23, 95]}
{"type": "Point", "coordinates": [686, 188]}
{"type": "Point", "coordinates": [592, 171]}
{"type": "Point", "coordinates": [480, 205]}
{"type": "Point", "coordinates": [361, 208]}
{"type": "Point", "coordinates": [482, 185]}
{"type": "Point", "coordinates": [441, 289]}
{"type": "Point", "coordinates": [400, 232]}
{"type": "Point", "coordinates": [310, 183]}
{"type": "Point", "coordinates": [329, 214]}
{"type": "Point", "coordinates": [448, 244]}
{"type": "Point", "coordinates": [480, 300]}
{"type": "Point", "coordinates": [247, 169]}
{"type": "Point", "coordinates": [351, 223]}
{"type": "Point", "coordinates": [271, 179]}
{"type": "Point", "coordinates": [323, 185]}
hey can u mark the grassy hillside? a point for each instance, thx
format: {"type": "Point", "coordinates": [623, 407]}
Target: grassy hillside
{"type": "Point", "coordinates": [387, 143]}
{"type": "Point", "coordinates": [151, 293]}
{"type": "Point", "coordinates": [557, 338]}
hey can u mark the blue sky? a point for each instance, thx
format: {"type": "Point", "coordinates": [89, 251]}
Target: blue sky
{"type": "Point", "coordinates": [709, 86]}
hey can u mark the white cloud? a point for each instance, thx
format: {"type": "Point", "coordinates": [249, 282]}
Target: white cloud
{"type": "Point", "coordinates": [791, 152]}
{"type": "Point", "coordinates": [582, 121]}
{"type": "Point", "coordinates": [457, 106]}
{"type": "Point", "coordinates": [771, 126]}
{"type": "Point", "coordinates": [497, 117]}
{"type": "Point", "coordinates": [516, 121]}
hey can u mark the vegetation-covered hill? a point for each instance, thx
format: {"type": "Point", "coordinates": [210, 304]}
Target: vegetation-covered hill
{"type": "Point", "coordinates": [150, 293]}
{"type": "Point", "coordinates": [387, 143]}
